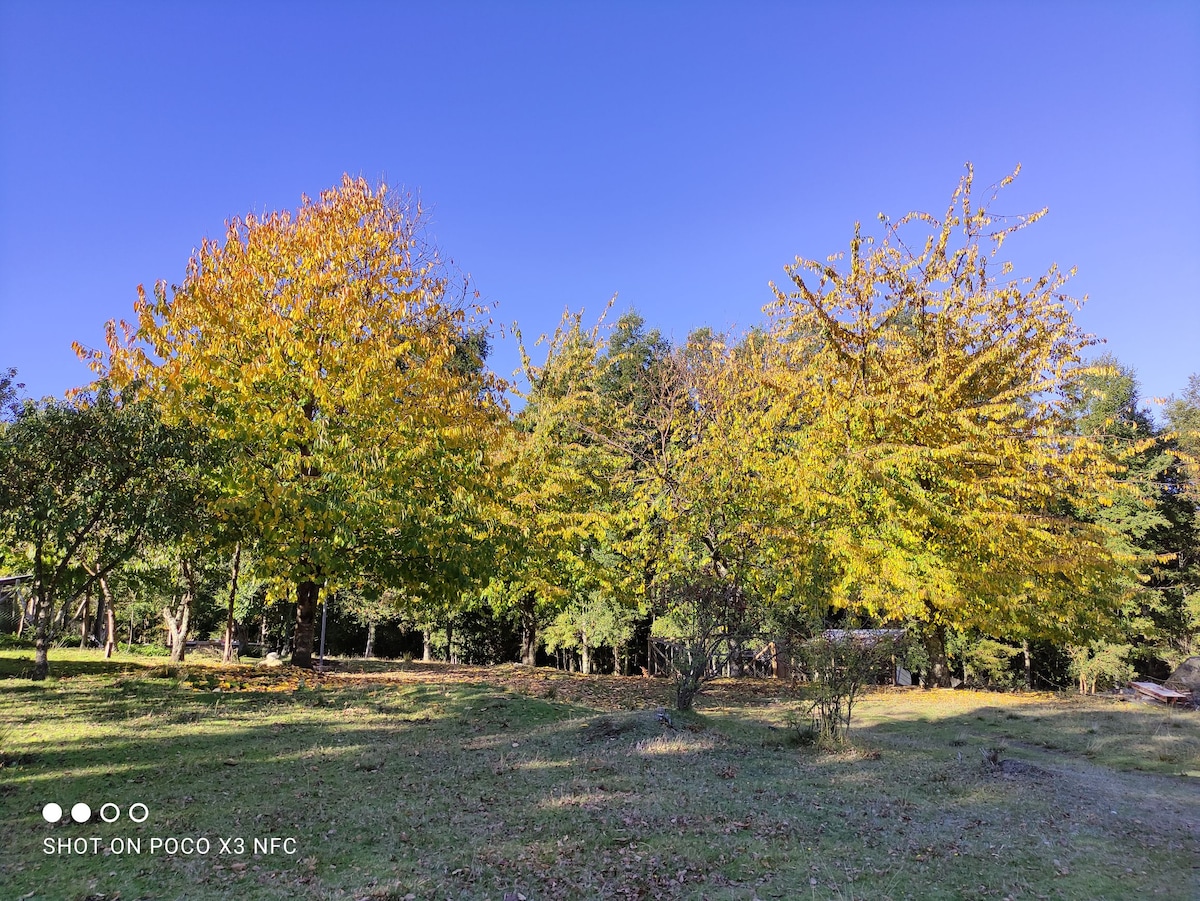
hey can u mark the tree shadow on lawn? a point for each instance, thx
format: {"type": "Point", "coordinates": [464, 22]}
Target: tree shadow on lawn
{"type": "Point", "coordinates": [20, 666]}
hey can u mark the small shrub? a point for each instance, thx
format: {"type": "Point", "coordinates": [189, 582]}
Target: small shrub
{"type": "Point", "coordinates": [149, 650]}
{"type": "Point", "coordinates": [839, 668]}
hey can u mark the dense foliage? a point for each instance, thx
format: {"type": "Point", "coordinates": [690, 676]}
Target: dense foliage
{"type": "Point", "coordinates": [915, 437]}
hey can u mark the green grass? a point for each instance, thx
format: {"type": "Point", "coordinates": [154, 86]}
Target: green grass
{"type": "Point", "coordinates": [456, 782]}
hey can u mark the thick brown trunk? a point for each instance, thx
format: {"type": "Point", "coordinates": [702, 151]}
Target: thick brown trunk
{"type": "Point", "coordinates": [307, 592]}
{"type": "Point", "coordinates": [427, 651]}
{"type": "Point", "coordinates": [177, 622]}
{"type": "Point", "coordinates": [529, 647]}
{"type": "Point", "coordinates": [935, 645]}
{"type": "Point", "coordinates": [306, 620]}
{"type": "Point", "coordinates": [529, 632]}
{"type": "Point", "coordinates": [370, 649]}
{"type": "Point", "coordinates": [228, 654]}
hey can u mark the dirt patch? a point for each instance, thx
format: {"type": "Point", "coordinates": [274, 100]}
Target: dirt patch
{"type": "Point", "coordinates": [606, 728]}
{"type": "Point", "coordinates": [1019, 769]}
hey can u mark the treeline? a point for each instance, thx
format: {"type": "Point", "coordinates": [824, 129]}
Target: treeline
{"type": "Point", "coordinates": [914, 437]}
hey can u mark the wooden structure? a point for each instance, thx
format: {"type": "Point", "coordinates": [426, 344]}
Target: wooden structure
{"type": "Point", "coordinates": [743, 657]}
{"type": "Point", "coordinates": [762, 656]}
{"type": "Point", "coordinates": [1158, 693]}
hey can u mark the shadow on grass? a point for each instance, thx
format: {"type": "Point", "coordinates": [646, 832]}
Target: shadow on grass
{"type": "Point", "coordinates": [439, 788]}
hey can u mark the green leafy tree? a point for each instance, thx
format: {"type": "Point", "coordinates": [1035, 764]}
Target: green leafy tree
{"type": "Point", "coordinates": [1151, 522]}
{"type": "Point", "coordinates": [87, 482]}
{"type": "Point", "coordinates": [557, 477]}
{"type": "Point", "coordinates": [1183, 418]}
{"type": "Point", "coordinates": [590, 622]}
{"type": "Point", "coordinates": [370, 608]}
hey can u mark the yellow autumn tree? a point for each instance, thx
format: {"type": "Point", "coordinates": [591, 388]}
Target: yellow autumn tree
{"type": "Point", "coordinates": [324, 350]}
{"type": "Point", "coordinates": [921, 414]}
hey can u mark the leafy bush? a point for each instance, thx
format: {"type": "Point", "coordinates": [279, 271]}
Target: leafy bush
{"type": "Point", "coordinates": [149, 650]}
{"type": "Point", "coordinates": [988, 664]}
{"type": "Point", "coordinates": [839, 668]}
{"type": "Point", "coordinates": [1101, 665]}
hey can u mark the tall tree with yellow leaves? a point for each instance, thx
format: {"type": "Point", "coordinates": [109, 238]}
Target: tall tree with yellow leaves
{"type": "Point", "coordinates": [325, 347]}
{"type": "Point", "coordinates": [924, 428]}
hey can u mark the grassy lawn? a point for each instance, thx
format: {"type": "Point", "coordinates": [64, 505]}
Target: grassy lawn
{"type": "Point", "coordinates": [402, 781]}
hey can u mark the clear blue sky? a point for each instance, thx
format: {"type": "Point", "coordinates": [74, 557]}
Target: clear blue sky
{"type": "Point", "coordinates": [678, 154]}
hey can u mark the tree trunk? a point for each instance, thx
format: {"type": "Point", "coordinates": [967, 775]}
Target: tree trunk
{"type": "Point", "coordinates": [781, 661]}
{"type": "Point", "coordinates": [227, 655]}
{"type": "Point", "coordinates": [529, 634]}
{"type": "Point", "coordinates": [735, 658]}
{"type": "Point", "coordinates": [370, 649]}
{"type": "Point", "coordinates": [85, 622]}
{"type": "Point", "coordinates": [100, 621]}
{"type": "Point", "coordinates": [42, 610]}
{"type": "Point", "coordinates": [110, 630]}
{"type": "Point", "coordinates": [177, 622]}
{"type": "Point", "coordinates": [450, 643]}
{"type": "Point", "coordinates": [585, 659]}
{"type": "Point", "coordinates": [427, 652]}
{"type": "Point", "coordinates": [179, 619]}
{"type": "Point", "coordinates": [1028, 665]}
{"type": "Point", "coordinates": [110, 620]}
{"type": "Point", "coordinates": [935, 645]}
{"type": "Point", "coordinates": [306, 620]}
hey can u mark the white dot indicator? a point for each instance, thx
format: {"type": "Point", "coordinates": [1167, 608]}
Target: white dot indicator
{"type": "Point", "coordinates": [52, 813]}
{"type": "Point", "coordinates": [81, 813]}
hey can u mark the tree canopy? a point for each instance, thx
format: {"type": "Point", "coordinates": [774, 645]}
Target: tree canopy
{"type": "Point", "coordinates": [914, 436]}
{"type": "Point", "coordinates": [83, 486]}
{"type": "Point", "coordinates": [327, 348]}
{"type": "Point", "coordinates": [921, 408]}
